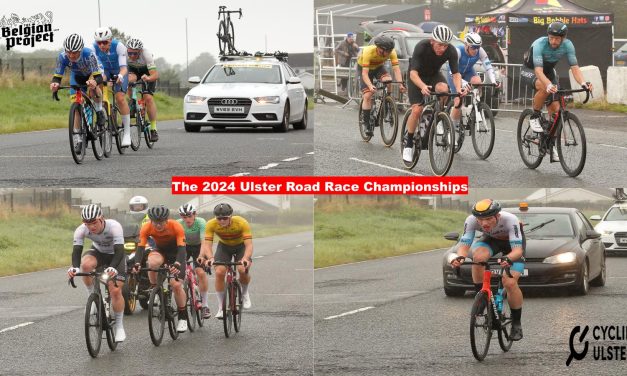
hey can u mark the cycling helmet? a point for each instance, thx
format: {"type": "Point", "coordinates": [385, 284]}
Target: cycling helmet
{"type": "Point", "coordinates": [73, 43]}
{"type": "Point", "coordinates": [135, 44]}
{"type": "Point", "coordinates": [223, 210]}
{"type": "Point", "coordinates": [187, 210]}
{"type": "Point", "coordinates": [384, 42]}
{"type": "Point", "coordinates": [442, 34]}
{"type": "Point", "coordinates": [557, 28]}
{"type": "Point", "coordinates": [103, 33]}
{"type": "Point", "coordinates": [158, 213]}
{"type": "Point", "coordinates": [473, 39]}
{"type": "Point", "coordinates": [91, 212]}
{"type": "Point", "coordinates": [486, 208]}
{"type": "Point", "coordinates": [138, 204]}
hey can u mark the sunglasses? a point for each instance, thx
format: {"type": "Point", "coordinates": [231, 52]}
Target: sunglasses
{"type": "Point", "coordinates": [475, 47]}
{"type": "Point", "coordinates": [159, 223]}
{"type": "Point", "coordinates": [222, 218]}
{"type": "Point", "coordinates": [186, 216]}
{"type": "Point", "coordinates": [133, 53]}
{"type": "Point", "coordinates": [103, 42]}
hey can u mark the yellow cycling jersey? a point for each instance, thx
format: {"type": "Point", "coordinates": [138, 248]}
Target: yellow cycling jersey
{"type": "Point", "coordinates": [233, 234]}
{"type": "Point", "coordinates": [369, 58]}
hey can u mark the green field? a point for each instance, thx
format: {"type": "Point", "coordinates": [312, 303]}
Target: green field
{"type": "Point", "coordinates": [357, 232]}
{"type": "Point", "coordinates": [31, 239]}
{"type": "Point", "coordinates": [28, 105]}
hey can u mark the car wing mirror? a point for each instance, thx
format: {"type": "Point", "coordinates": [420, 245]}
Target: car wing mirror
{"type": "Point", "coordinates": [595, 217]}
{"type": "Point", "coordinates": [194, 80]}
{"type": "Point", "coordinates": [591, 234]}
{"type": "Point", "coordinates": [293, 80]}
{"type": "Point", "coordinates": [454, 236]}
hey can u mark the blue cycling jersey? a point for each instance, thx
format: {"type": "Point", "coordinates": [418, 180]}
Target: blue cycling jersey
{"type": "Point", "coordinates": [86, 65]}
{"type": "Point", "coordinates": [113, 59]}
{"type": "Point", "coordinates": [546, 57]}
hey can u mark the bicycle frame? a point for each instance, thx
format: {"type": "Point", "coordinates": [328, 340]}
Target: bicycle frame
{"type": "Point", "coordinates": [191, 277]}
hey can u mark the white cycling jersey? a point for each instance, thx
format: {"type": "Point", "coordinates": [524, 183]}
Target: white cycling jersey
{"type": "Point", "coordinates": [103, 242]}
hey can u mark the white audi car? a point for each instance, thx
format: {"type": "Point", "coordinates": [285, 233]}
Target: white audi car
{"type": "Point", "coordinates": [613, 228]}
{"type": "Point", "coordinates": [251, 91]}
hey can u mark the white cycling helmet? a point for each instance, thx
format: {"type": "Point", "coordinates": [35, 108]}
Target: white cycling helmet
{"type": "Point", "coordinates": [442, 34]}
{"type": "Point", "coordinates": [138, 204]}
{"type": "Point", "coordinates": [134, 44]}
{"type": "Point", "coordinates": [187, 210]}
{"type": "Point", "coordinates": [91, 212]}
{"type": "Point", "coordinates": [473, 39]}
{"type": "Point", "coordinates": [103, 33]}
{"type": "Point", "coordinates": [73, 43]}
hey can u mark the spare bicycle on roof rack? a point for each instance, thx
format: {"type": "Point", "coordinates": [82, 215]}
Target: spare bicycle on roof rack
{"type": "Point", "coordinates": [226, 33]}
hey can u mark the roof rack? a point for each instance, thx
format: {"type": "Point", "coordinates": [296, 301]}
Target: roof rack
{"type": "Point", "coordinates": [279, 55]}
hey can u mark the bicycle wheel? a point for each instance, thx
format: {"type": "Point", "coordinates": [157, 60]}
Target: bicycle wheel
{"type": "Point", "coordinates": [93, 324]}
{"type": "Point", "coordinates": [172, 315]}
{"type": "Point", "coordinates": [237, 307]}
{"type": "Point", "coordinates": [107, 324]}
{"type": "Point", "coordinates": [156, 315]}
{"type": "Point", "coordinates": [78, 144]}
{"type": "Point", "coordinates": [141, 124]}
{"type": "Point", "coordinates": [480, 326]}
{"type": "Point", "coordinates": [482, 131]}
{"type": "Point", "coordinates": [506, 325]}
{"type": "Point", "coordinates": [441, 144]}
{"type": "Point", "coordinates": [417, 141]}
{"type": "Point", "coordinates": [388, 121]}
{"type": "Point", "coordinates": [129, 292]}
{"type": "Point", "coordinates": [136, 134]}
{"type": "Point", "coordinates": [227, 319]}
{"type": "Point", "coordinates": [190, 306]}
{"type": "Point", "coordinates": [108, 136]}
{"type": "Point", "coordinates": [362, 126]}
{"type": "Point", "coordinates": [222, 37]}
{"type": "Point", "coordinates": [571, 145]}
{"type": "Point", "coordinates": [528, 141]}
{"type": "Point", "coordinates": [198, 314]}
{"type": "Point", "coordinates": [231, 36]}
{"type": "Point", "coordinates": [460, 132]}
{"type": "Point", "coordinates": [97, 142]}
{"type": "Point", "coordinates": [116, 122]}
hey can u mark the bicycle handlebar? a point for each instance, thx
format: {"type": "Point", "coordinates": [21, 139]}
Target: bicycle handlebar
{"type": "Point", "coordinates": [565, 91]}
{"type": "Point", "coordinates": [229, 263]}
{"type": "Point", "coordinates": [483, 85]}
{"type": "Point", "coordinates": [90, 274]}
{"type": "Point", "coordinates": [487, 264]}
{"type": "Point", "coordinates": [223, 11]}
{"type": "Point", "coordinates": [55, 94]}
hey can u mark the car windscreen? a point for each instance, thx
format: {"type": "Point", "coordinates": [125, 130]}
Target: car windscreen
{"type": "Point", "coordinates": [616, 214]}
{"type": "Point", "coordinates": [244, 73]}
{"type": "Point", "coordinates": [546, 225]}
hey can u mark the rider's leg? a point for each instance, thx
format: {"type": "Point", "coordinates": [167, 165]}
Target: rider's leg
{"type": "Point", "coordinates": [219, 284]}
{"type": "Point", "coordinates": [151, 108]}
{"type": "Point", "coordinates": [88, 264]}
{"type": "Point", "coordinates": [515, 299]}
{"type": "Point", "coordinates": [155, 260]}
{"type": "Point", "coordinates": [481, 252]}
{"type": "Point", "coordinates": [456, 112]}
{"type": "Point", "coordinates": [120, 99]}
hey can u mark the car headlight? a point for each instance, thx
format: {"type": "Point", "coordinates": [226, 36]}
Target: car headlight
{"type": "Point", "coordinates": [607, 232]}
{"type": "Point", "coordinates": [194, 99]}
{"type": "Point", "coordinates": [268, 100]}
{"type": "Point", "coordinates": [562, 258]}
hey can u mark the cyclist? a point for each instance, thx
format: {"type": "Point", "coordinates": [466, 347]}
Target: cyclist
{"type": "Point", "coordinates": [424, 73]}
{"type": "Point", "coordinates": [169, 238]}
{"type": "Point", "coordinates": [194, 227]}
{"type": "Point", "coordinates": [85, 69]}
{"type": "Point", "coordinates": [468, 55]}
{"type": "Point", "coordinates": [539, 70]}
{"type": "Point", "coordinates": [369, 66]}
{"type": "Point", "coordinates": [106, 252]}
{"type": "Point", "coordinates": [112, 54]}
{"type": "Point", "coordinates": [141, 65]}
{"type": "Point", "coordinates": [236, 240]}
{"type": "Point", "coordinates": [502, 233]}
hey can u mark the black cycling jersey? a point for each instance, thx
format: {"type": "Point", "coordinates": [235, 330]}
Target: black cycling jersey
{"type": "Point", "coordinates": [427, 63]}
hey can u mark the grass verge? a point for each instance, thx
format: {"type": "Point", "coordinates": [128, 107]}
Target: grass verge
{"type": "Point", "coordinates": [603, 105]}
{"type": "Point", "coordinates": [28, 105]}
{"type": "Point", "coordinates": [347, 233]}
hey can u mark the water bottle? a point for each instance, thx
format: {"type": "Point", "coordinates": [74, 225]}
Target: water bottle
{"type": "Point", "coordinates": [88, 114]}
{"type": "Point", "coordinates": [498, 299]}
{"type": "Point", "coordinates": [465, 113]}
{"type": "Point", "coordinates": [106, 305]}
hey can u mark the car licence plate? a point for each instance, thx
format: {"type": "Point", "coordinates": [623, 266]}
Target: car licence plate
{"type": "Point", "coordinates": [229, 110]}
{"type": "Point", "coordinates": [622, 240]}
{"type": "Point", "coordinates": [498, 272]}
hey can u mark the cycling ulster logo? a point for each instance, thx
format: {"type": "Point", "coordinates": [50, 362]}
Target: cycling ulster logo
{"type": "Point", "coordinates": [26, 31]}
{"type": "Point", "coordinates": [602, 349]}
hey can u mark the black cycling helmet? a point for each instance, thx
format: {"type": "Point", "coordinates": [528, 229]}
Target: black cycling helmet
{"type": "Point", "coordinates": [486, 208]}
{"type": "Point", "coordinates": [384, 42]}
{"type": "Point", "coordinates": [557, 28]}
{"type": "Point", "coordinates": [158, 213]}
{"type": "Point", "coordinates": [223, 210]}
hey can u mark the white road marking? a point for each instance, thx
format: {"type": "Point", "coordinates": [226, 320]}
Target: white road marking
{"type": "Point", "coordinates": [348, 313]}
{"type": "Point", "coordinates": [280, 250]}
{"type": "Point", "coordinates": [268, 166]}
{"type": "Point", "coordinates": [303, 270]}
{"type": "Point", "coordinates": [290, 159]}
{"type": "Point", "coordinates": [384, 166]}
{"type": "Point", "coordinates": [504, 130]}
{"type": "Point", "coordinates": [310, 153]}
{"type": "Point", "coordinates": [16, 326]}
{"type": "Point", "coordinates": [298, 245]}
{"type": "Point", "coordinates": [614, 146]}
{"type": "Point", "coordinates": [241, 174]}
{"type": "Point", "coordinates": [256, 257]}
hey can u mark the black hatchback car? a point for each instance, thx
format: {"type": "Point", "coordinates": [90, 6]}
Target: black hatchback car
{"type": "Point", "coordinates": [563, 251]}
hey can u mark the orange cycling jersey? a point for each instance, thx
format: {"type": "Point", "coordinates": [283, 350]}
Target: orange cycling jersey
{"type": "Point", "coordinates": [369, 58]}
{"type": "Point", "coordinates": [233, 234]}
{"type": "Point", "coordinates": [172, 236]}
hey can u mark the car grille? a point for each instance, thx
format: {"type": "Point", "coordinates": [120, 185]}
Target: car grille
{"type": "Point", "coordinates": [621, 239]}
{"type": "Point", "coordinates": [232, 102]}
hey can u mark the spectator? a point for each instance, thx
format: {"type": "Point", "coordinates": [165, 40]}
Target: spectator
{"type": "Point", "coordinates": [345, 51]}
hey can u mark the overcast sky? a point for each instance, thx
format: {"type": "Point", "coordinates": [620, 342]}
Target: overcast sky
{"type": "Point", "coordinates": [160, 24]}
